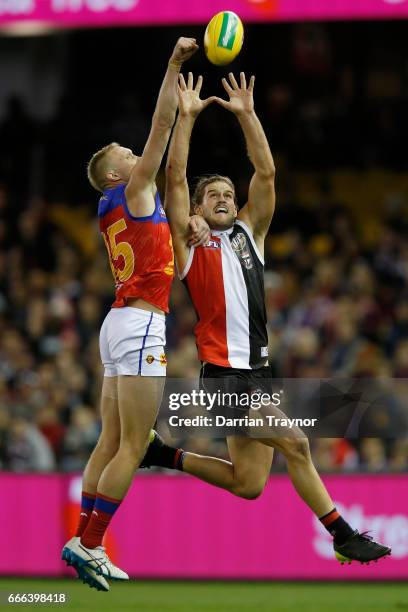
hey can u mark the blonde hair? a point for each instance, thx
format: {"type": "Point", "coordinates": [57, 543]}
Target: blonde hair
{"type": "Point", "coordinates": [95, 168]}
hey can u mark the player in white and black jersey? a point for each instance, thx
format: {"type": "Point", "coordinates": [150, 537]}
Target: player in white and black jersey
{"type": "Point", "coordinates": [225, 282]}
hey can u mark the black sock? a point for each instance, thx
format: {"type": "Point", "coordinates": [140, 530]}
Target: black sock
{"type": "Point", "coordinates": [162, 455]}
{"type": "Point", "coordinates": [336, 526]}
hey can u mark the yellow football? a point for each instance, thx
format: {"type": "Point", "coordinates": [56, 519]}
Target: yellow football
{"type": "Point", "coordinates": [223, 38]}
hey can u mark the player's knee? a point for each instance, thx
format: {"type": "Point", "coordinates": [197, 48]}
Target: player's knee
{"type": "Point", "coordinates": [250, 489]}
{"type": "Point", "coordinates": [108, 445]}
{"type": "Point", "coordinates": [133, 451]}
{"type": "Point", "coordinates": [296, 449]}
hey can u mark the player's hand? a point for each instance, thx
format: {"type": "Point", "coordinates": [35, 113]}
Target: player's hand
{"type": "Point", "coordinates": [184, 49]}
{"type": "Point", "coordinates": [200, 232]}
{"type": "Point", "coordinates": [241, 98]}
{"type": "Point", "coordinates": [190, 103]}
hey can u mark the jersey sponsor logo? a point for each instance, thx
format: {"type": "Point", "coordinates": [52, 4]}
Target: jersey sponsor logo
{"type": "Point", "coordinates": [163, 359]}
{"type": "Point", "coordinates": [240, 247]}
{"type": "Point", "coordinates": [264, 351]}
{"type": "Point", "coordinates": [150, 359]}
{"type": "Point", "coordinates": [162, 211]}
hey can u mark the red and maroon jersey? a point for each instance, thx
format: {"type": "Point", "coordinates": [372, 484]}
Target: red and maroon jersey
{"type": "Point", "coordinates": [140, 250]}
{"type": "Point", "coordinates": [225, 281]}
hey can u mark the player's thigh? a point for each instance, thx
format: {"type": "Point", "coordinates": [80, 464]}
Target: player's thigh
{"type": "Point", "coordinates": [251, 459]}
{"type": "Point", "coordinates": [139, 401]}
{"type": "Point", "coordinates": [109, 408]}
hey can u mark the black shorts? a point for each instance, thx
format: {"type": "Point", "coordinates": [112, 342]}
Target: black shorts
{"type": "Point", "coordinates": [243, 393]}
{"type": "Point", "coordinates": [214, 379]}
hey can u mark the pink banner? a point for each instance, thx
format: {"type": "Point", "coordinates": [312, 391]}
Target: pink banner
{"type": "Point", "coordinates": [79, 13]}
{"type": "Point", "coordinates": [32, 524]}
{"type": "Point", "coordinates": [179, 527]}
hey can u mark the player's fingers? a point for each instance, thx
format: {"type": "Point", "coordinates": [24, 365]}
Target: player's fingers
{"type": "Point", "coordinates": [251, 83]}
{"type": "Point", "coordinates": [195, 239]}
{"type": "Point", "coordinates": [191, 50]}
{"type": "Point", "coordinates": [193, 225]}
{"type": "Point", "coordinates": [227, 86]}
{"type": "Point", "coordinates": [203, 238]}
{"type": "Point", "coordinates": [199, 84]}
{"type": "Point", "coordinates": [182, 82]}
{"type": "Point", "coordinates": [242, 80]}
{"type": "Point", "coordinates": [190, 81]}
{"type": "Point", "coordinates": [233, 81]}
{"type": "Point", "coordinates": [186, 43]}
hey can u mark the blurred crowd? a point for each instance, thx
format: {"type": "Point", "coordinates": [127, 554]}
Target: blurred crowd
{"type": "Point", "coordinates": [336, 296]}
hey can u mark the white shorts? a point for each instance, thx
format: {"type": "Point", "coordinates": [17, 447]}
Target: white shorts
{"type": "Point", "coordinates": [132, 342]}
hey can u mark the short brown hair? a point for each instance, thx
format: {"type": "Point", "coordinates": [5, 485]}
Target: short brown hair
{"type": "Point", "coordinates": [204, 181]}
{"type": "Point", "coordinates": [95, 169]}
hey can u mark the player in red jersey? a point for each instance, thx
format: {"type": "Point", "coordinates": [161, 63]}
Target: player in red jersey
{"type": "Point", "coordinates": [225, 280]}
{"type": "Point", "coordinates": [132, 338]}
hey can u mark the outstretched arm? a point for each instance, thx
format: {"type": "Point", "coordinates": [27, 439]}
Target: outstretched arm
{"type": "Point", "coordinates": [258, 211]}
{"type": "Point", "coordinates": [139, 191]}
{"type": "Point", "coordinates": [177, 193]}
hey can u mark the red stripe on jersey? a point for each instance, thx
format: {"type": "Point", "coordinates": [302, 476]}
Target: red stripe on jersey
{"type": "Point", "coordinates": [205, 284]}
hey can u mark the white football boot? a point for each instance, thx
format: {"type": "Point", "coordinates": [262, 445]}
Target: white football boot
{"type": "Point", "coordinates": [95, 559]}
{"type": "Point", "coordinates": [85, 573]}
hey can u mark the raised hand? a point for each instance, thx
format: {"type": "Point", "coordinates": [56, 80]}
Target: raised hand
{"type": "Point", "coordinates": [184, 49]}
{"type": "Point", "coordinates": [190, 103]}
{"type": "Point", "coordinates": [241, 99]}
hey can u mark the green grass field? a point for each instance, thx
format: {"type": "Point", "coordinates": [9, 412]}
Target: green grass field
{"type": "Point", "coordinates": [216, 596]}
